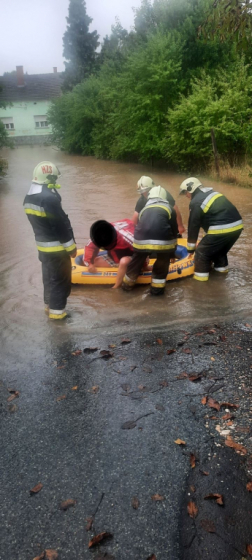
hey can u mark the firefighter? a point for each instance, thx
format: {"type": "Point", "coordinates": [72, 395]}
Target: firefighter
{"type": "Point", "coordinates": [220, 220]}
{"type": "Point", "coordinates": [54, 237]}
{"type": "Point", "coordinates": [144, 185]}
{"type": "Point", "coordinates": [156, 231]}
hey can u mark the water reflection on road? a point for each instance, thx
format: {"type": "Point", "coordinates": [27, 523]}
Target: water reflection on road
{"type": "Point", "coordinates": [93, 189]}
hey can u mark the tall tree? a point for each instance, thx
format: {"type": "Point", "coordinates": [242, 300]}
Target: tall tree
{"type": "Point", "coordinates": [79, 45]}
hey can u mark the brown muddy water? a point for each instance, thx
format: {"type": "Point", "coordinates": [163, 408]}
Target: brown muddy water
{"type": "Point", "coordinates": [91, 190]}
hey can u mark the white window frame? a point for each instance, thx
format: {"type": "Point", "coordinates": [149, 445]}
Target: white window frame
{"type": "Point", "coordinates": [8, 123]}
{"type": "Point", "coordinates": [41, 122]}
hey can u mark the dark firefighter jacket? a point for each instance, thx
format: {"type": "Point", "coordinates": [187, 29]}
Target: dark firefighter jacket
{"type": "Point", "coordinates": [51, 226]}
{"type": "Point", "coordinates": [213, 212]}
{"type": "Point", "coordinates": [157, 227]}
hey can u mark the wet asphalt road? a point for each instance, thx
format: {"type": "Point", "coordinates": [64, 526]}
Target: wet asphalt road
{"type": "Point", "coordinates": [65, 429]}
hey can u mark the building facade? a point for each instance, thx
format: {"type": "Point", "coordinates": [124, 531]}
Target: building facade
{"type": "Point", "coordinates": [28, 98]}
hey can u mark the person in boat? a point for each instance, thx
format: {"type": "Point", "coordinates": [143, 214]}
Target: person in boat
{"type": "Point", "coordinates": [220, 220]}
{"type": "Point", "coordinates": [156, 231]}
{"type": "Point", "coordinates": [54, 237]}
{"type": "Point", "coordinates": [116, 239]}
{"type": "Point", "coordinates": [144, 185]}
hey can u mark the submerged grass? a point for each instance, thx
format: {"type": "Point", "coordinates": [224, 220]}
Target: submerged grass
{"type": "Point", "coordinates": [240, 175]}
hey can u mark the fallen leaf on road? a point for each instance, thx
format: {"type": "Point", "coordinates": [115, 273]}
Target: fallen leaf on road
{"type": "Point", "coordinates": [247, 325]}
{"type": "Point", "coordinates": [11, 390]}
{"type": "Point", "coordinates": [89, 523]}
{"type": "Point", "coordinates": [217, 497]}
{"type": "Point", "coordinates": [95, 389]}
{"type": "Point", "coordinates": [249, 549]}
{"type": "Point", "coordinates": [128, 425]}
{"type": "Point", "coordinates": [157, 498]}
{"type": "Point", "coordinates": [105, 354]}
{"type": "Point", "coordinates": [159, 407]}
{"type": "Point", "coordinates": [152, 557]}
{"type": "Point", "coordinates": [179, 441]}
{"type": "Point", "coordinates": [213, 359]}
{"type": "Point", "coordinates": [159, 341]}
{"type": "Point", "coordinates": [192, 509]}
{"type": "Point", "coordinates": [227, 416]}
{"type": "Point", "coordinates": [223, 338]}
{"type": "Point", "coordinates": [125, 341]}
{"type": "Point", "coordinates": [135, 503]}
{"type": "Point", "coordinates": [61, 367]}
{"type": "Point", "coordinates": [182, 375]}
{"type": "Point", "coordinates": [171, 351]}
{"type": "Point", "coordinates": [213, 404]}
{"type": "Point", "coordinates": [208, 525]}
{"type": "Point", "coordinates": [74, 388]}
{"type": "Point", "coordinates": [36, 488]}
{"type": "Point", "coordinates": [112, 345]}
{"type": "Point", "coordinates": [237, 446]}
{"type": "Point", "coordinates": [229, 405]}
{"type": "Point", "coordinates": [15, 395]}
{"type": "Point", "coordinates": [125, 387]}
{"type": "Point", "coordinates": [163, 383]}
{"type": "Point", "coordinates": [192, 488]}
{"type": "Point", "coordinates": [205, 473]}
{"type": "Point", "coordinates": [67, 504]}
{"type": "Point", "coordinates": [51, 554]}
{"type": "Point", "coordinates": [12, 408]}
{"type": "Point", "coordinates": [230, 423]}
{"type": "Point", "coordinates": [195, 377]}
{"type": "Point", "coordinates": [98, 538]}
{"type": "Point", "coordinates": [76, 353]}
{"type": "Point", "coordinates": [89, 350]}
{"type": "Point", "coordinates": [40, 557]}
{"type": "Point", "coordinates": [211, 331]}
{"type": "Point", "coordinates": [61, 398]}
{"type": "Point", "coordinates": [249, 486]}
{"type": "Point", "coordinates": [186, 350]}
{"type": "Point", "coordinates": [204, 400]}
{"type": "Point", "coordinates": [192, 460]}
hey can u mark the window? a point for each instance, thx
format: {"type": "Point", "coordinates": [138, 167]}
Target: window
{"type": "Point", "coordinates": [8, 123]}
{"type": "Point", "coordinates": [41, 121]}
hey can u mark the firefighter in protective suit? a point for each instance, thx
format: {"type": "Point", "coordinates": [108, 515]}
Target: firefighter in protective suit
{"type": "Point", "coordinates": [220, 220]}
{"type": "Point", "coordinates": [54, 237]}
{"type": "Point", "coordinates": [156, 232]}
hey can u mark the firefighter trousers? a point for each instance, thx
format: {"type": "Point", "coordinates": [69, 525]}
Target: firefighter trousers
{"type": "Point", "coordinates": [159, 271]}
{"type": "Point", "coordinates": [56, 274]}
{"type": "Point", "coordinates": [213, 248]}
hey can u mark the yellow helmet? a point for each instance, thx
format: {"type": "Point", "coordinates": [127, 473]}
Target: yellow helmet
{"type": "Point", "coordinates": [45, 173]}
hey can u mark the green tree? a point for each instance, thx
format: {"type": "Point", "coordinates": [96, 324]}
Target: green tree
{"type": "Point", "coordinates": [79, 45]}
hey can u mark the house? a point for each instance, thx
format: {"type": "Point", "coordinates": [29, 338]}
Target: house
{"type": "Point", "coordinates": [28, 99]}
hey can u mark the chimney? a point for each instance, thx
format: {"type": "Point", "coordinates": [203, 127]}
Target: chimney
{"type": "Point", "coordinates": [55, 69]}
{"type": "Point", "coordinates": [20, 76]}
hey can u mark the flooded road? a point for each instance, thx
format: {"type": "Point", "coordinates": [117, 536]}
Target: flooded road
{"type": "Point", "coordinates": [91, 190]}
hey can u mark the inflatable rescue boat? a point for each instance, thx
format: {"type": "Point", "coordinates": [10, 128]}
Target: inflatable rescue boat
{"type": "Point", "coordinates": [183, 266]}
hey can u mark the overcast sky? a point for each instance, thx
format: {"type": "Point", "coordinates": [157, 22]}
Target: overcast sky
{"type": "Point", "coordinates": [32, 30]}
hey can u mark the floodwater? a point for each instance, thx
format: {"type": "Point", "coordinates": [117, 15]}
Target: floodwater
{"type": "Point", "coordinates": [91, 190]}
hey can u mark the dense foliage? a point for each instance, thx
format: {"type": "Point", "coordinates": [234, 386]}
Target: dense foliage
{"type": "Point", "coordinates": [156, 92]}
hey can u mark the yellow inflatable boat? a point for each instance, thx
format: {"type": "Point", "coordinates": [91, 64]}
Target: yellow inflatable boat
{"type": "Point", "coordinates": [183, 266]}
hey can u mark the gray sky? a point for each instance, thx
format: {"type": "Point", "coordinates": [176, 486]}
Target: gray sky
{"type": "Point", "coordinates": [32, 30]}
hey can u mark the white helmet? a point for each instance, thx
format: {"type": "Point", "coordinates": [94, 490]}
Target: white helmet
{"type": "Point", "coordinates": [190, 185]}
{"type": "Point", "coordinates": [45, 173]}
{"type": "Point", "coordinates": [144, 184]}
{"type": "Point", "coordinates": [158, 192]}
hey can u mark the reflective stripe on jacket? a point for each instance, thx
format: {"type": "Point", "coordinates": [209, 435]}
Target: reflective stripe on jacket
{"type": "Point", "coordinates": [51, 226]}
{"type": "Point", "coordinates": [157, 227]}
{"type": "Point", "coordinates": [213, 212]}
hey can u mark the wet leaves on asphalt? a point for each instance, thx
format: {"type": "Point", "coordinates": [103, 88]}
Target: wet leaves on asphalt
{"type": "Point", "coordinates": [192, 460]}
{"type": "Point", "coordinates": [237, 446]}
{"type": "Point", "coordinates": [179, 441]}
{"type": "Point", "coordinates": [249, 486]}
{"type": "Point", "coordinates": [204, 400]}
{"type": "Point", "coordinates": [152, 557]}
{"type": "Point", "coordinates": [182, 375]}
{"type": "Point", "coordinates": [15, 395]}
{"type": "Point", "coordinates": [76, 353]}
{"type": "Point", "coordinates": [227, 416]}
{"type": "Point", "coordinates": [195, 377]}
{"type": "Point", "coordinates": [90, 350]}
{"type": "Point", "coordinates": [249, 549]}
{"type": "Point", "coordinates": [217, 497]}
{"type": "Point", "coordinates": [98, 538]}
{"type": "Point", "coordinates": [229, 405]}
{"type": "Point", "coordinates": [159, 341]}
{"type": "Point", "coordinates": [192, 509]}
{"type": "Point", "coordinates": [205, 473]}
{"type": "Point", "coordinates": [112, 345]}
{"type": "Point", "coordinates": [12, 408]}
{"type": "Point", "coordinates": [74, 388]}
{"type": "Point", "coordinates": [89, 524]}
{"type": "Point", "coordinates": [36, 488]}
{"type": "Point", "coordinates": [125, 341]}
{"type": "Point", "coordinates": [186, 350]}
{"type": "Point", "coordinates": [95, 389]}
{"type": "Point", "coordinates": [163, 383]}
{"type": "Point", "coordinates": [61, 398]}
{"type": "Point", "coordinates": [126, 387]}
{"type": "Point", "coordinates": [48, 554]}
{"type": "Point", "coordinates": [67, 504]}
{"type": "Point", "coordinates": [106, 354]}
{"type": "Point", "coordinates": [128, 425]}
{"type": "Point", "coordinates": [157, 498]}
{"type": "Point", "coordinates": [135, 502]}
{"type": "Point", "coordinates": [171, 351]}
{"type": "Point", "coordinates": [208, 525]}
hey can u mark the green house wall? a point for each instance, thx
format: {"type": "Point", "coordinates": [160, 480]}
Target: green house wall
{"type": "Point", "coordinates": [23, 114]}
